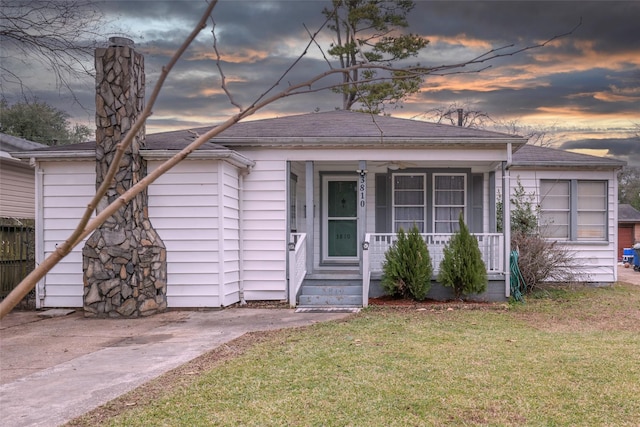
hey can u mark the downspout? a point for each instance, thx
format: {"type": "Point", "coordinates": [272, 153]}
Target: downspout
{"type": "Point", "coordinates": [243, 173]}
{"type": "Point", "coordinates": [506, 219]}
{"type": "Point", "coordinates": [39, 223]}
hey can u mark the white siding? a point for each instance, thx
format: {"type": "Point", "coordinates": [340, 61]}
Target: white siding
{"type": "Point", "coordinates": [595, 261]}
{"type": "Point", "coordinates": [67, 188]}
{"type": "Point", "coordinates": [230, 278]}
{"type": "Point", "coordinates": [265, 231]}
{"type": "Point", "coordinates": [184, 209]}
{"type": "Point", "coordinates": [17, 190]}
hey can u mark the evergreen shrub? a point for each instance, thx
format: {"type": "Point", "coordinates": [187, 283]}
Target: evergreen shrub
{"type": "Point", "coordinates": [462, 267]}
{"type": "Point", "coordinates": [407, 267]}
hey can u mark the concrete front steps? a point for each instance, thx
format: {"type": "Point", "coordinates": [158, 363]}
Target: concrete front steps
{"type": "Point", "coordinates": [331, 290]}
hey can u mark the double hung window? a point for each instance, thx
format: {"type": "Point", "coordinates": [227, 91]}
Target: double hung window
{"type": "Point", "coordinates": [573, 209]}
{"type": "Point", "coordinates": [436, 209]}
{"type": "Point", "coordinates": [409, 201]}
{"type": "Point", "coordinates": [448, 201]}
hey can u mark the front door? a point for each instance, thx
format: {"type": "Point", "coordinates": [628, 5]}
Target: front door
{"type": "Point", "coordinates": [340, 219]}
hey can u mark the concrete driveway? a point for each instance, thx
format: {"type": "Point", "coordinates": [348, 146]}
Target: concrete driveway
{"type": "Point", "coordinates": [627, 275]}
{"type": "Point", "coordinates": [54, 369]}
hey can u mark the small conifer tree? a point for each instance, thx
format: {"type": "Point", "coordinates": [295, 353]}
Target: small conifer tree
{"type": "Point", "coordinates": [462, 267]}
{"type": "Point", "coordinates": [407, 268]}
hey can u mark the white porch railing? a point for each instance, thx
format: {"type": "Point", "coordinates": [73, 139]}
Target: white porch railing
{"type": "Point", "coordinates": [376, 245]}
{"type": "Point", "coordinates": [297, 265]}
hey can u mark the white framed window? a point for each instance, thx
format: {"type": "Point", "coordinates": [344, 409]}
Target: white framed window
{"type": "Point", "coordinates": [293, 203]}
{"type": "Point", "coordinates": [409, 201]}
{"type": "Point", "coordinates": [555, 209]}
{"type": "Point", "coordinates": [591, 210]}
{"type": "Point", "coordinates": [574, 209]}
{"type": "Point", "coordinates": [449, 195]}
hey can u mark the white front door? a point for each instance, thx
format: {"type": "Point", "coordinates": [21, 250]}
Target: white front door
{"type": "Point", "coordinates": [340, 218]}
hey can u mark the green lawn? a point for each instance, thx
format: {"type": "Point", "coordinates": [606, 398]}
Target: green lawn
{"type": "Point", "coordinates": [567, 358]}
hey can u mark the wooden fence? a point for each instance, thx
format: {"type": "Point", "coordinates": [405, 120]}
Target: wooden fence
{"type": "Point", "coordinates": [17, 252]}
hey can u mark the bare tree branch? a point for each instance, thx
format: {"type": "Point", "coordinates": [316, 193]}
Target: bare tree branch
{"type": "Point", "coordinates": [60, 35]}
{"type": "Point", "coordinates": [223, 79]}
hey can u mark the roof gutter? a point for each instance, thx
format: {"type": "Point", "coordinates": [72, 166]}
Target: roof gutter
{"type": "Point", "coordinates": [369, 141]}
{"type": "Point", "coordinates": [565, 165]}
{"type": "Point", "coordinates": [55, 155]}
{"type": "Point", "coordinates": [233, 157]}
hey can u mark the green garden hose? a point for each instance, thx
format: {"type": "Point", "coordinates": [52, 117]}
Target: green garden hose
{"type": "Point", "coordinates": [518, 284]}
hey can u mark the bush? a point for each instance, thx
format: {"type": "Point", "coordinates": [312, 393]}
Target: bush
{"type": "Point", "coordinates": [541, 260]}
{"type": "Point", "coordinates": [462, 267]}
{"type": "Point", "coordinates": [407, 267]}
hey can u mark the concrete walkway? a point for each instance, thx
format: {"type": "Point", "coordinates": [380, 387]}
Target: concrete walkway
{"type": "Point", "coordinates": [55, 369]}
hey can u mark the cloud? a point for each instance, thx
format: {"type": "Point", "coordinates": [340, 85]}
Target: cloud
{"type": "Point", "coordinates": [627, 149]}
{"type": "Point", "coordinates": [585, 84]}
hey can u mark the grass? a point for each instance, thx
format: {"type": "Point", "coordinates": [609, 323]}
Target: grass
{"type": "Point", "coordinates": [565, 358]}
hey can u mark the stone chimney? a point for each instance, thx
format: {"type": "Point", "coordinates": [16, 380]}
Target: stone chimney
{"type": "Point", "coordinates": [124, 261]}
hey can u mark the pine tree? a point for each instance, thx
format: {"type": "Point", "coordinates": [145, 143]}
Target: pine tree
{"type": "Point", "coordinates": [462, 267]}
{"type": "Point", "coordinates": [373, 31]}
{"type": "Point", "coordinates": [407, 268]}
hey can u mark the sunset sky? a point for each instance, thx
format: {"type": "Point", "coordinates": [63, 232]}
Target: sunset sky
{"type": "Point", "coordinates": [584, 87]}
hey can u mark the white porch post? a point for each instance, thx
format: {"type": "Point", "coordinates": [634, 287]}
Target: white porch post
{"type": "Point", "coordinates": [309, 212]}
{"type": "Point", "coordinates": [362, 206]}
{"type": "Point", "coordinates": [506, 221]}
{"type": "Point", "coordinates": [39, 224]}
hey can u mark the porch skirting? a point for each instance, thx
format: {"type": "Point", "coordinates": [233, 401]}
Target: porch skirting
{"type": "Point", "coordinates": [494, 292]}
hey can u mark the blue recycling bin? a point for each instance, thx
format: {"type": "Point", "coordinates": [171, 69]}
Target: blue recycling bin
{"type": "Point", "coordinates": [628, 255]}
{"type": "Point", "coordinates": [636, 259]}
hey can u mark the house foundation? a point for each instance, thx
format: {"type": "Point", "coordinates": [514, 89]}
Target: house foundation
{"type": "Point", "coordinates": [124, 260]}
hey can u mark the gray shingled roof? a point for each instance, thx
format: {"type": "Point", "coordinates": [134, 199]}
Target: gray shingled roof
{"type": "Point", "coordinates": [533, 155]}
{"type": "Point", "coordinates": [627, 213]}
{"type": "Point", "coordinates": [346, 128]}
{"type": "Point", "coordinates": [340, 124]}
{"type": "Point", "coordinates": [10, 143]}
{"type": "Point", "coordinates": [336, 127]}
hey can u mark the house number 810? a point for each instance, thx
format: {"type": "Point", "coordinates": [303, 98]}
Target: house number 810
{"type": "Point", "coordinates": [363, 191]}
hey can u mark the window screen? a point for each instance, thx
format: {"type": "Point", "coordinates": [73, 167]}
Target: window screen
{"type": "Point", "coordinates": [409, 201]}
{"type": "Point", "coordinates": [448, 201]}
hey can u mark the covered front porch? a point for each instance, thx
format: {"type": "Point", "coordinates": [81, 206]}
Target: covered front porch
{"type": "Point", "coordinates": [341, 284]}
{"type": "Point", "coordinates": [344, 215]}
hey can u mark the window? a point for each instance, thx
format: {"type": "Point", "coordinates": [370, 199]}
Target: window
{"type": "Point", "coordinates": [592, 210]}
{"type": "Point", "coordinates": [436, 209]}
{"type": "Point", "coordinates": [448, 201]}
{"type": "Point", "coordinates": [573, 210]}
{"type": "Point", "coordinates": [555, 209]}
{"type": "Point", "coordinates": [409, 201]}
{"type": "Point", "coordinates": [293, 202]}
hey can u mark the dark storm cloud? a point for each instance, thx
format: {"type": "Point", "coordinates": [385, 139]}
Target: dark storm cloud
{"type": "Point", "coordinates": [627, 149]}
{"type": "Point", "coordinates": [605, 21]}
{"type": "Point", "coordinates": [616, 146]}
{"type": "Point", "coordinates": [593, 73]}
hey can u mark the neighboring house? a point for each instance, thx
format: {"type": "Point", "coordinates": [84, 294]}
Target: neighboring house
{"type": "Point", "coordinates": [17, 212]}
{"type": "Point", "coordinates": [628, 227]}
{"type": "Point", "coordinates": [17, 180]}
{"type": "Point", "coordinates": [315, 200]}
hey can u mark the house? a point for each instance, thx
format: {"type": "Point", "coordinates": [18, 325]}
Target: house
{"type": "Point", "coordinates": [17, 212]}
{"type": "Point", "coordinates": [297, 207]}
{"type": "Point", "coordinates": [628, 227]}
{"type": "Point", "coordinates": [16, 179]}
